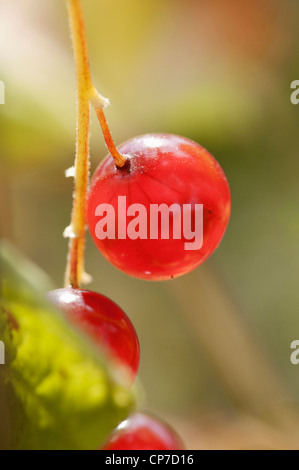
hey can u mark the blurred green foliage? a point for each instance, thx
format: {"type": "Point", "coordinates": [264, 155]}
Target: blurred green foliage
{"type": "Point", "coordinates": [64, 395]}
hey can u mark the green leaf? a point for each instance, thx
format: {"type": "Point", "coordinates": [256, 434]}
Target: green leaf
{"type": "Point", "coordinates": [66, 396]}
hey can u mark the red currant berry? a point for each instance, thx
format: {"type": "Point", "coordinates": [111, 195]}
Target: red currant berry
{"type": "Point", "coordinates": [164, 212]}
{"type": "Point", "coordinates": [143, 432]}
{"type": "Point", "coordinates": [103, 321]}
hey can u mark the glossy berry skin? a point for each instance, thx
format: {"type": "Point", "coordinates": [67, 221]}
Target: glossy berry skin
{"type": "Point", "coordinates": [143, 432]}
{"type": "Point", "coordinates": [104, 321]}
{"type": "Point", "coordinates": [161, 169]}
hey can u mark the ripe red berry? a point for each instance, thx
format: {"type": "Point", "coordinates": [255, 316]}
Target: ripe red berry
{"type": "Point", "coordinates": [103, 321]}
{"type": "Point", "coordinates": [160, 169]}
{"type": "Point", "coordinates": [143, 432]}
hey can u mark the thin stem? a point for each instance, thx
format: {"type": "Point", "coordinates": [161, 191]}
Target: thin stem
{"type": "Point", "coordinates": [86, 93]}
{"type": "Point", "coordinates": [79, 44]}
{"type": "Point", "coordinates": [77, 230]}
{"type": "Point", "coordinates": [120, 160]}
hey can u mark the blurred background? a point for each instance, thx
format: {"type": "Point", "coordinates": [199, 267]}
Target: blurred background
{"type": "Point", "coordinates": [215, 345]}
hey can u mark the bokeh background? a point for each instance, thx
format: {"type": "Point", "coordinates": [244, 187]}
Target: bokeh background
{"type": "Point", "coordinates": [215, 345]}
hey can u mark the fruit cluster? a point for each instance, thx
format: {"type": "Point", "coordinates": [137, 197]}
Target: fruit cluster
{"type": "Point", "coordinates": [159, 169]}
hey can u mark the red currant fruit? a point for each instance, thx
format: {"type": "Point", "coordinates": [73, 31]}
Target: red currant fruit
{"type": "Point", "coordinates": [145, 217]}
{"type": "Point", "coordinates": [143, 432]}
{"type": "Point", "coordinates": [103, 321]}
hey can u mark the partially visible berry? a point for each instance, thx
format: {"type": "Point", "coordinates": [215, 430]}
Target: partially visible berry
{"type": "Point", "coordinates": [104, 321]}
{"type": "Point", "coordinates": [143, 432]}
